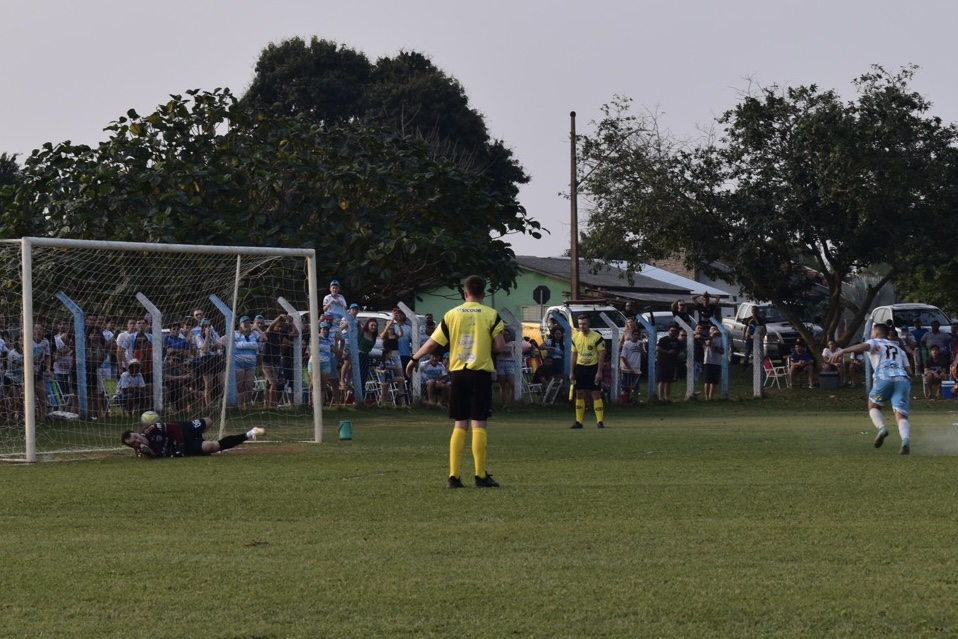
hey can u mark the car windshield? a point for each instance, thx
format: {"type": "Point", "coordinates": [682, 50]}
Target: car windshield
{"type": "Point", "coordinates": [907, 317]}
{"type": "Point", "coordinates": [771, 315]}
{"type": "Point", "coordinates": [595, 318]}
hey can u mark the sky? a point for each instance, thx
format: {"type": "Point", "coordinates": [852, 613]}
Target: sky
{"type": "Point", "coordinates": [68, 68]}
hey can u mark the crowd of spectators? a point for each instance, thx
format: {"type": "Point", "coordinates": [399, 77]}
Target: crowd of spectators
{"type": "Point", "coordinates": [119, 361]}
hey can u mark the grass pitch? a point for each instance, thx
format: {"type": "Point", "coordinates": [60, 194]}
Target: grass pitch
{"type": "Point", "coordinates": [768, 518]}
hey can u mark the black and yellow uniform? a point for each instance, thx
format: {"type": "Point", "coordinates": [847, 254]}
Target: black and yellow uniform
{"type": "Point", "coordinates": [469, 331]}
{"type": "Point", "coordinates": [587, 347]}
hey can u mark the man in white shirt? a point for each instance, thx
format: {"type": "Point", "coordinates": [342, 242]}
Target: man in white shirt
{"type": "Point", "coordinates": [630, 365]}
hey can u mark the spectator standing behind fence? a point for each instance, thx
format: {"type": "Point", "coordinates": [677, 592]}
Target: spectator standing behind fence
{"type": "Point", "coordinates": [714, 352]}
{"type": "Point", "coordinates": [96, 355]}
{"type": "Point", "coordinates": [64, 353]}
{"type": "Point", "coordinates": [334, 304]}
{"type": "Point", "coordinates": [405, 338]}
{"type": "Point", "coordinates": [667, 359]}
{"type": "Point", "coordinates": [208, 362]}
{"type": "Point", "coordinates": [705, 307]}
{"type": "Point", "coordinates": [368, 333]}
{"type": "Point", "coordinates": [178, 339]}
{"type": "Point", "coordinates": [143, 351]}
{"type": "Point", "coordinates": [13, 378]}
{"type": "Point", "coordinates": [748, 334]}
{"type": "Point", "coordinates": [328, 364]}
{"type": "Point", "coordinates": [680, 310]}
{"type": "Point", "coordinates": [393, 331]}
{"type": "Point", "coordinates": [132, 388]}
{"type": "Point", "coordinates": [555, 348]}
{"type": "Point", "coordinates": [124, 345]}
{"type": "Point", "coordinates": [630, 365]}
{"type": "Point", "coordinates": [506, 372]}
{"type": "Point", "coordinates": [279, 329]}
{"type": "Point", "coordinates": [246, 345]}
{"type": "Point", "coordinates": [42, 366]}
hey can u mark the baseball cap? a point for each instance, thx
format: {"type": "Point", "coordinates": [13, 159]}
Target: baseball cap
{"type": "Point", "coordinates": [260, 318]}
{"type": "Point", "coordinates": [325, 325]}
{"type": "Point", "coordinates": [354, 305]}
{"type": "Point", "coordinates": [334, 283]}
{"type": "Point", "coordinates": [245, 318]}
{"type": "Point", "coordinates": [204, 322]}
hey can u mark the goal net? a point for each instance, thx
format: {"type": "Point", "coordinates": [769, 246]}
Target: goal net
{"type": "Point", "coordinates": [95, 333]}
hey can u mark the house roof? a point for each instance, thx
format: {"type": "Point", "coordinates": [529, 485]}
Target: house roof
{"type": "Point", "coordinates": [678, 280]}
{"type": "Point", "coordinates": [610, 277]}
{"type": "Point", "coordinates": [609, 280]}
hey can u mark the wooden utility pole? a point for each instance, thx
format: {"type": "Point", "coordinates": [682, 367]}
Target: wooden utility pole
{"type": "Point", "coordinates": [574, 205]}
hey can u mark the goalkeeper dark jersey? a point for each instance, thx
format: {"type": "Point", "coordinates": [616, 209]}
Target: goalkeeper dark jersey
{"type": "Point", "coordinates": [173, 440]}
{"type": "Point", "coordinates": [165, 440]}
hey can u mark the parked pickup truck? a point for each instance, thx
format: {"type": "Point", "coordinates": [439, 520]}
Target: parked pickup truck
{"type": "Point", "coordinates": [780, 335]}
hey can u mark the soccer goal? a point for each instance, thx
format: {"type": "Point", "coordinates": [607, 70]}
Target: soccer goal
{"type": "Point", "coordinates": [95, 333]}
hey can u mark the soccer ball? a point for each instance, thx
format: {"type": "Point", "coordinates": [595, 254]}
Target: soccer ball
{"type": "Point", "coordinates": [149, 418]}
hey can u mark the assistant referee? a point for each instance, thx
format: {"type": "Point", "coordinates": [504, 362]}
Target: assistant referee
{"type": "Point", "coordinates": [473, 333]}
{"type": "Point", "coordinates": [588, 357]}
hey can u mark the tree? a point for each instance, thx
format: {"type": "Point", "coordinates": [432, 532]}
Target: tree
{"type": "Point", "coordinates": [801, 191]}
{"type": "Point", "coordinates": [384, 217]}
{"type": "Point", "coordinates": [9, 169]}
{"type": "Point", "coordinates": [407, 94]}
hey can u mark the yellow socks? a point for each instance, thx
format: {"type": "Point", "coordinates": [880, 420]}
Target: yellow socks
{"type": "Point", "coordinates": [599, 407]}
{"type": "Point", "coordinates": [479, 451]}
{"type": "Point", "coordinates": [580, 409]}
{"type": "Point", "coordinates": [457, 444]}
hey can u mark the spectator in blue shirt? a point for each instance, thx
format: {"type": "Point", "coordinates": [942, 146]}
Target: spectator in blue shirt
{"type": "Point", "coordinates": [800, 361]}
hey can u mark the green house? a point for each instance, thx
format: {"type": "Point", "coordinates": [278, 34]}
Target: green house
{"type": "Point", "coordinates": [551, 276]}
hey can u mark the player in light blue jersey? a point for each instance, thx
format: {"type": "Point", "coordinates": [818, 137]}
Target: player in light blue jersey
{"type": "Point", "coordinates": [891, 381]}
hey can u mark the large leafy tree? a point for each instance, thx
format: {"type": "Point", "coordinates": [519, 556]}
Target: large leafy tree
{"type": "Point", "coordinates": [382, 214]}
{"type": "Point", "coordinates": [407, 94]}
{"type": "Point", "coordinates": [799, 191]}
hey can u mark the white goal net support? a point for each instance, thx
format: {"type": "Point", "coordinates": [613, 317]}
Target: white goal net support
{"type": "Point", "coordinates": [95, 333]}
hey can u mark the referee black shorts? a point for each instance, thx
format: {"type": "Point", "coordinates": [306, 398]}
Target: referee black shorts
{"type": "Point", "coordinates": [585, 377]}
{"type": "Point", "coordinates": [470, 395]}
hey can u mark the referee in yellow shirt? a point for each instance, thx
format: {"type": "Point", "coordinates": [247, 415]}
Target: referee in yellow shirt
{"type": "Point", "coordinates": [473, 333]}
{"type": "Point", "coordinates": [588, 356]}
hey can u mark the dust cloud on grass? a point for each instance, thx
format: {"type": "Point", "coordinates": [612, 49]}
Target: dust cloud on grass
{"type": "Point", "coordinates": [937, 437]}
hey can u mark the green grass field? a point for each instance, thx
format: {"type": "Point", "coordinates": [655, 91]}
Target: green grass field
{"type": "Point", "coordinates": [769, 518]}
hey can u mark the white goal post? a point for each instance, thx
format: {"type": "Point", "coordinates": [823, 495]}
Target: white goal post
{"type": "Point", "coordinates": [66, 380]}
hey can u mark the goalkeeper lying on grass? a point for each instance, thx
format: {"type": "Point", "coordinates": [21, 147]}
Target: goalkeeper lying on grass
{"type": "Point", "coordinates": [179, 439]}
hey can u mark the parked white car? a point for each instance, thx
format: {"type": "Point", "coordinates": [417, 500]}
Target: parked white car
{"type": "Point", "coordinates": [904, 315]}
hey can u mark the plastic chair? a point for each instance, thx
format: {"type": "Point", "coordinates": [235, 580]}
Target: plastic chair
{"type": "Point", "coordinates": [774, 373]}
{"type": "Point", "coordinates": [552, 391]}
